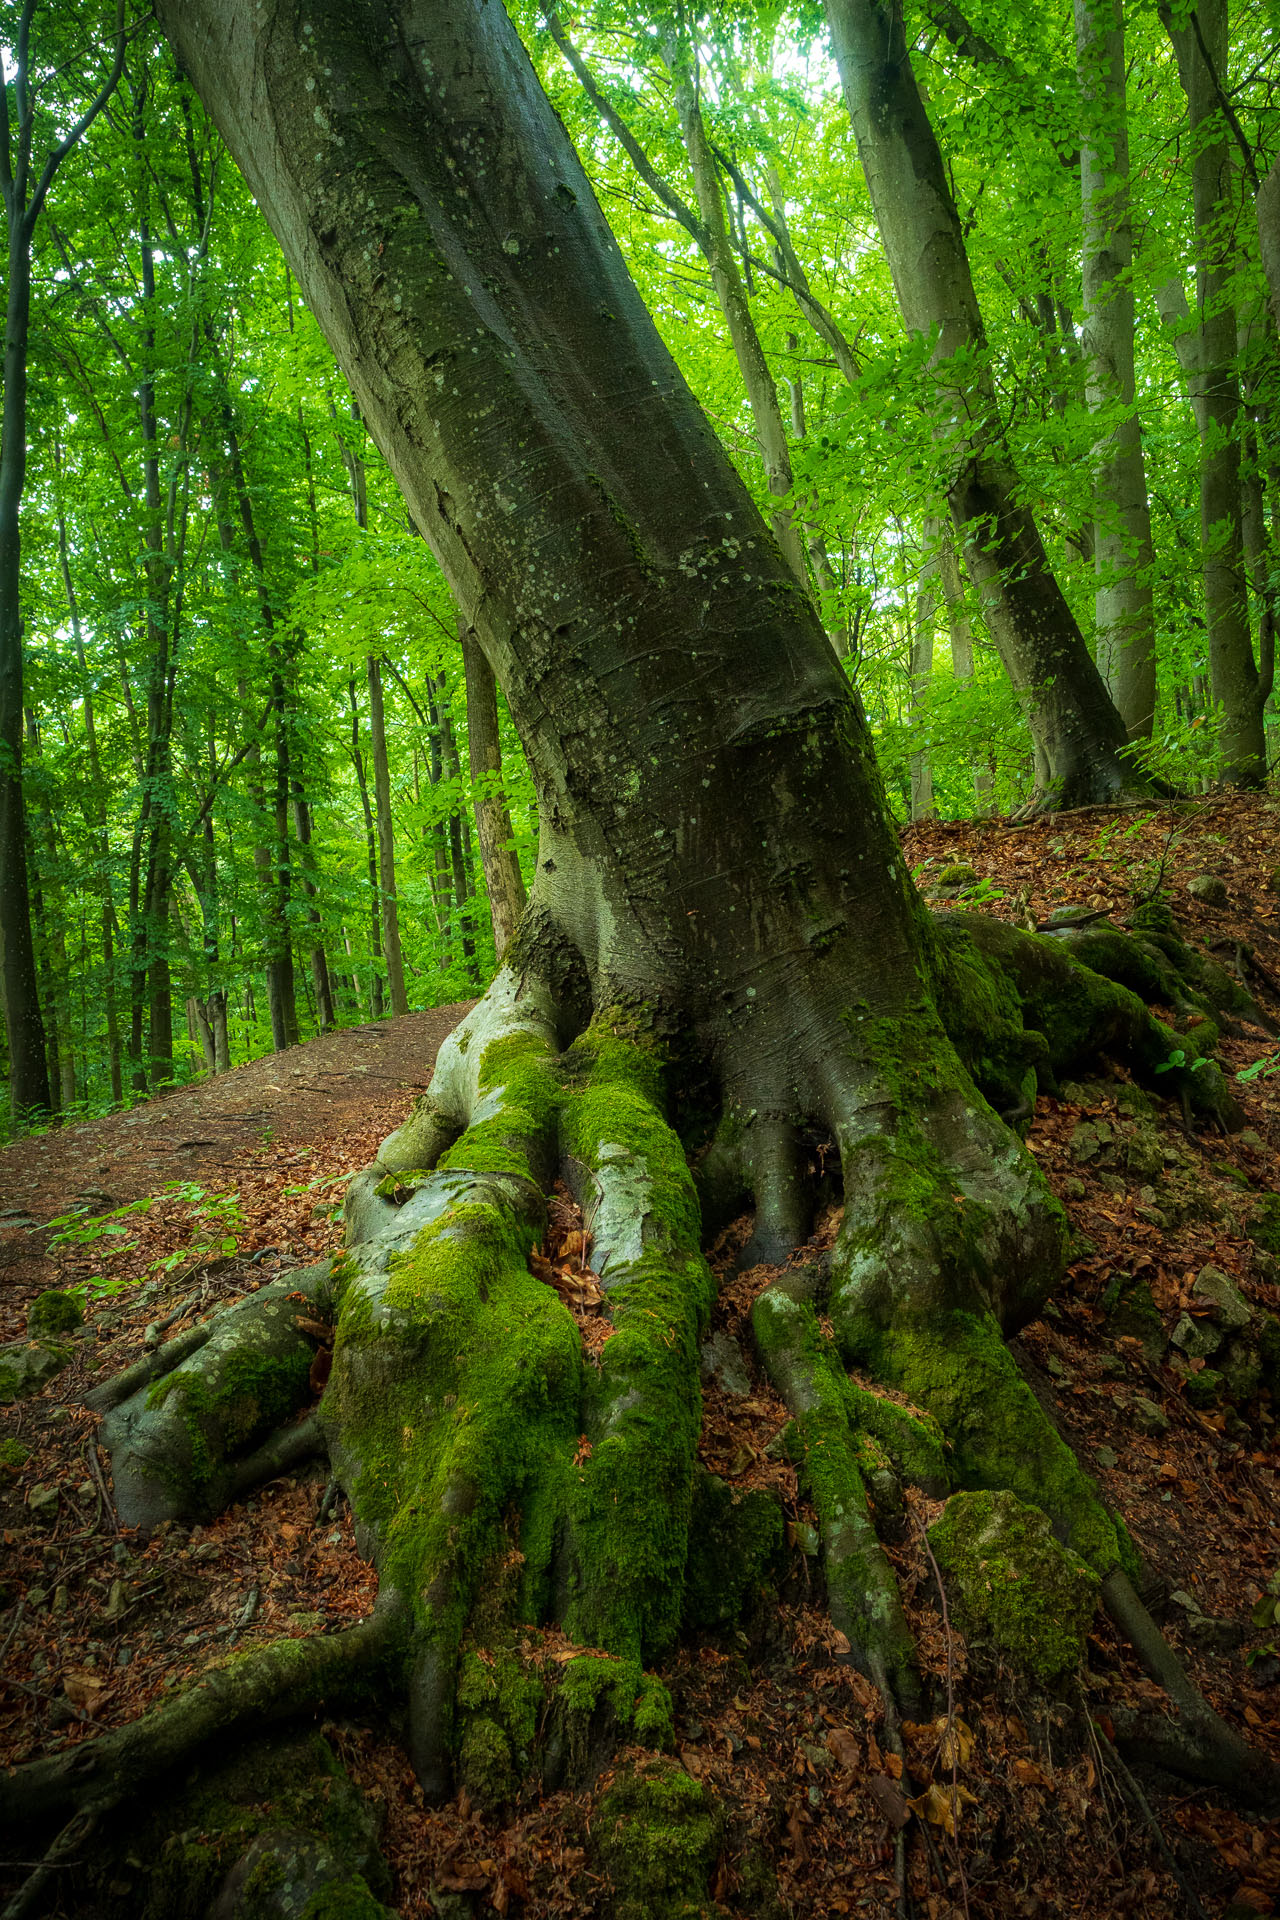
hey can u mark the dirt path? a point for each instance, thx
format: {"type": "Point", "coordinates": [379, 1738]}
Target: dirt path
{"type": "Point", "coordinates": [343, 1087]}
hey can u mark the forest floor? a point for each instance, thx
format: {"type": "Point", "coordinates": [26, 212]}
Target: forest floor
{"type": "Point", "coordinates": [241, 1178]}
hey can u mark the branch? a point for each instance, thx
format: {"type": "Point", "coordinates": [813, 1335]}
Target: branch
{"type": "Point", "coordinates": [1229, 112]}
{"type": "Point", "coordinates": [966, 39]}
{"type": "Point", "coordinates": [88, 117]}
{"type": "Point", "coordinates": [622, 133]}
{"type": "Point", "coordinates": [794, 277]}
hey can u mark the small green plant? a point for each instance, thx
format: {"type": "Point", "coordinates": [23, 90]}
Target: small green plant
{"type": "Point", "coordinates": [1189, 1063]}
{"type": "Point", "coordinates": [79, 1229]}
{"type": "Point", "coordinates": [1263, 1068]}
{"type": "Point", "coordinates": [984, 894]}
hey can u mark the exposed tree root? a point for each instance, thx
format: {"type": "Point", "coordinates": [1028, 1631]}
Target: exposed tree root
{"type": "Point", "coordinates": [253, 1689]}
{"type": "Point", "coordinates": [498, 1475]}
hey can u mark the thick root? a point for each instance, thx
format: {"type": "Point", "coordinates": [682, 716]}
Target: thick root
{"type": "Point", "coordinates": [186, 1440]}
{"type": "Point", "coordinates": [862, 1592]}
{"type": "Point", "coordinates": [252, 1689]}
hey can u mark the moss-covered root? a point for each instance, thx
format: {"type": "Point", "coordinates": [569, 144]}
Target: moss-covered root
{"type": "Point", "coordinates": [452, 1410]}
{"type": "Point", "coordinates": [179, 1445]}
{"type": "Point", "coordinates": [1198, 1744]}
{"type": "Point", "coordinates": [253, 1689]}
{"type": "Point", "coordinates": [1075, 1000]}
{"type": "Point", "coordinates": [957, 1368]}
{"type": "Point", "coordinates": [631, 1495]}
{"type": "Point", "coordinates": [516, 1010]}
{"type": "Point", "coordinates": [862, 1593]}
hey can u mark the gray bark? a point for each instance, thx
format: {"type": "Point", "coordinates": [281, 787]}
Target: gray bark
{"type": "Point", "coordinates": [504, 881]}
{"type": "Point", "coordinates": [1122, 549]}
{"type": "Point", "coordinates": [1078, 734]}
{"type": "Point", "coordinates": [1233, 672]}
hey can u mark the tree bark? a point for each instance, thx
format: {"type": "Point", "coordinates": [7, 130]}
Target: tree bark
{"type": "Point", "coordinates": [1122, 550]}
{"type": "Point", "coordinates": [1233, 671]}
{"type": "Point", "coordinates": [1078, 733]}
{"type": "Point", "coordinates": [719, 891]}
{"type": "Point", "coordinates": [386, 841]}
{"type": "Point", "coordinates": [503, 879]}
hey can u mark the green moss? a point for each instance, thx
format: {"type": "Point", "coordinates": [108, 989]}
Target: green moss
{"type": "Point", "coordinates": [13, 1455]}
{"type": "Point", "coordinates": [1263, 1225]}
{"type": "Point", "coordinates": [913, 1441]}
{"type": "Point", "coordinates": [656, 1834]}
{"type": "Point", "coordinates": [958, 1368]}
{"type": "Point", "coordinates": [735, 1542]}
{"type": "Point", "coordinates": [223, 1412]}
{"type": "Point", "coordinates": [632, 1498]}
{"type": "Point", "coordinates": [1009, 1582]}
{"type": "Point", "coordinates": [349, 1899]}
{"type": "Point", "coordinates": [52, 1313]}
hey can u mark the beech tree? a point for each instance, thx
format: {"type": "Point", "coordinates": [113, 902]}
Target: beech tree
{"type": "Point", "coordinates": [721, 950]}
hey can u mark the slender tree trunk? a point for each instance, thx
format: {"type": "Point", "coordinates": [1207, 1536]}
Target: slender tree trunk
{"type": "Point", "coordinates": [961, 630]}
{"type": "Point", "coordinates": [717, 247]}
{"type": "Point", "coordinates": [1122, 550]}
{"type": "Point", "coordinates": [371, 851]}
{"type": "Point", "coordinates": [922, 801]}
{"type": "Point", "coordinates": [1237, 685]}
{"type": "Point", "coordinates": [319, 963]}
{"type": "Point", "coordinates": [504, 881]}
{"type": "Point", "coordinates": [29, 1089]}
{"type": "Point", "coordinates": [1078, 733]}
{"type": "Point", "coordinates": [386, 841]}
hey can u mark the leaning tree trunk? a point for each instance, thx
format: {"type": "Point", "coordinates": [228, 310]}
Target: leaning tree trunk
{"type": "Point", "coordinates": [1079, 736]}
{"type": "Point", "coordinates": [719, 893]}
{"type": "Point", "coordinates": [1122, 550]}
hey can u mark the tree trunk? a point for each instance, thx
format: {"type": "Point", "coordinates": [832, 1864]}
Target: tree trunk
{"type": "Point", "coordinates": [386, 842]}
{"type": "Point", "coordinates": [325, 1016]}
{"type": "Point", "coordinates": [921, 629]}
{"type": "Point", "coordinates": [371, 859]}
{"type": "Point", "coordinates": [961, 630]}
{"type": "Point", "coordinates": [1122, 551]}
{"type": "Point", "coordinates": [721, 901]}
{"type": "Point", "coordinates": [721, 258]}
{"type": "Point", "coordinates": [1232, 669]}
{"type": "Point", "coordinates": [503, 879]}
{"type": "Point", "coordinates": [1078, 733]}
{"type": "Point", "coordinates": [29, 1091]}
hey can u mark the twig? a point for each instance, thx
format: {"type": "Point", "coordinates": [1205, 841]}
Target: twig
{"type": "Point", "coordinates": [950, 1734]}
{"type": "Point", "coordinates": [1156, 1830]}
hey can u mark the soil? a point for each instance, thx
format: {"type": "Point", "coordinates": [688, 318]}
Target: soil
{"type": "Point", "coordinates": [1012, 1802]}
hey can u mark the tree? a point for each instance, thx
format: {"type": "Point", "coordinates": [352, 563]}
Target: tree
{"type": "Point", "coordinates": [1079, 736]}
{"type": "Point", "coordinates": [25, 184]}
{"type": "Point", "coordinates": [1122, 526]}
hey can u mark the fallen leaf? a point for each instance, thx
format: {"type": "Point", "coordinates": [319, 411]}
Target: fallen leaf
{"type": "Point", "coordinates": [895, 1809]}
{"type": "Point", "coordinates": [843, 1748]}
{"type": "Point", "coordinates": [83, 1690]}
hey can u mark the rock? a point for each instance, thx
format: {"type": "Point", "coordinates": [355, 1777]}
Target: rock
{"type": "Point", "coordinates": [1263, 1225]}
{"type": "Point", "coordinates": [1009, 1582]}
{"type": "Point", "coordinates": [1074, 1188]}
{"type": "Point", "coordinates": [1203, 1389]}
{"type": "Point", "coordinates": [1105, 1458]}
{"type": "Point", "coordinates": [1130, 1309]}
{"type": "Point", "coordinates": [1069, 917]}
{"type": "Point", "coordinates": [1249, 1137]}
{"type": "Point", "coordinates": [28, 1365]}
{"type": "Point", "coordinates": [1218, 1291]}
{"type": "Point", "coordinates": [724, 1366]}
{"type": "Point", "coordinates": [1136, 1101]}
{"type": "Point", "coordinates": [1146, 1416]}
{"type": "Point", "coordinates": [42, 1502]}
{"type": "Point", "coordinates": [1208, 889]}
{"type": "Point", "coordinates": [958, 874]}
{"type": "Point", "coordinates": [1240, 1365]}
{"type": "Point", "coordinates": [53, 1313]}
{"type": "Point", "coordinates": [1089, 1138]}
{"type": "Point", "coordinates": [1143, 1152]}
{"type": "Point", "coordinates": [1196, 1338]}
